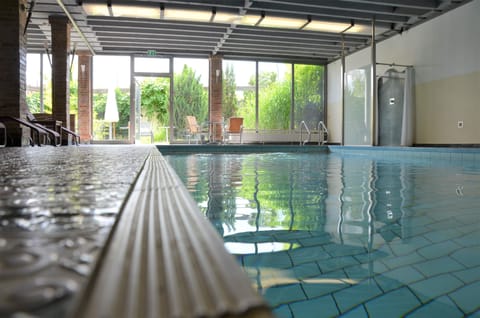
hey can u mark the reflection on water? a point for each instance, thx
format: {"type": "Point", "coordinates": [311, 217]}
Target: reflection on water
{"type": "Point", "coordinates": [305, 226]}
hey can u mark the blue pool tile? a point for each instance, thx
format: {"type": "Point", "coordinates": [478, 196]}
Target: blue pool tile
{"type": "Point", "coordinates": [399, 261]}
{"type": "Point", "coordinates": [470, 221]}
{"type": "Point", "coordinates": [308, 255]}
{"type": "Point", "coordinates": [317, 240]}
{"type": "Point", "coordinates": [315, 308]}
{"type": "Point", "coordinates": [438, 249]}
{"type": "Point", "coordinates": [467, 298]}
{"type": "Point", "coordinates": [325, 284]}
{"type": "Point", "coordinates": [364, 271]}
{"type": "Point", "coordinates": [357, 312]}
{"type": "Point", "coordinates": [306, 270]}
{"type": "Point", "coordinates": [288, 236]}
{"type": "Point", "coordinates": [351, 297]}
{"type": "Point", "coordinates": [275, 260]}
{"type": "Point", "coordinates": [380, 253]}
{"type": "Point", "coordinates": [283, 312]}
{"type": "Point", "coordinates": [393, 304]}
{"type": "Point", "coordinates": [470, 239]}
{"type": "Point", "coordinates": [402, 247]}
{"type": "Point", "coordinates": [435, 286]}
{"type": "Point", "coordinates": [468, 256]}
{"type": "Point", "coordinates": [439, 266]}
{"type": "Point", "coordinates": [323, 287]}
{"type": "Point", "coordinates": [440, 307]}
{"type": "Point", "coordinates": [343, 250]}
{"type": "Point", "coordinates": [284, 294]}
{"type": "Point", "coordinates": [398, 277]}
{"type": "Point", "coordinates": [441, 235]}
{"type": "Point", "coordinates": [332, 264]}
{"type": "Point", "coordinates": [476, 314]}
{"type": "Point", "coordinates": [469, 275]}
{"type": "Point", "coordinates": [418, 220]}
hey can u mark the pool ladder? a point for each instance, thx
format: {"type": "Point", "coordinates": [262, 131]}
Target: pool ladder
{"type": "Point", "coordinates": [303, 126]}
{"type": "Point", "coordinates": [322, 133]}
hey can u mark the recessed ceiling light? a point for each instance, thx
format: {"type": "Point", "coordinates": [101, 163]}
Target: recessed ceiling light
{"type": "Point", "coordinates": [287, 23]}
{"type": "Point", "coordinates": [136, 11]}
{"type": "Point", "coordinates": [187, 15]}
{"type": "Point", "coordinates": [323, 26]}
{"type": "Point", "coordinates": [96, 9]}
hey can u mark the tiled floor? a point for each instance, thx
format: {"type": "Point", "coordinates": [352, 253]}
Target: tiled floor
{"type": "Point", "coordinates": [419, 280]}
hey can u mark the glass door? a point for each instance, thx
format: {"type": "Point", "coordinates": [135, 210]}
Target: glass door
{"type": "Point", "coordinates": [152, 100]}
{"type": "Point", "coordinates": [152, 103]}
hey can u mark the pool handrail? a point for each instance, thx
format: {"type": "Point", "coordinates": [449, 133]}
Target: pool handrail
{"type": "Point", "coordinates": [302, 125]}
{"type": "Point", "coordinates": [322, 133]}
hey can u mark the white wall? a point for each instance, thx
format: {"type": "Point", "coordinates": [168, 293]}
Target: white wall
{"type": "Point", "coordinates": [445, 53]}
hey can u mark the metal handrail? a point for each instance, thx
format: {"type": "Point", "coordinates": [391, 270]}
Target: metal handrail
{"type": "Point", "coordinates": [322, 132]}
{"type": "Point", "coordinates": [302, 125]}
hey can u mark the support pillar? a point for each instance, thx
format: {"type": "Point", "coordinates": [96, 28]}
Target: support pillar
{"type": "Point", "coordinates": [85, 96]}
{"type": "Point", "coordinates": [60, 26]}
{"type": "Point", "coordinates": [216, 95]}
{"type": "Point", "coordinates": [374, 86]}
{"type": "Point", "coordinates": [342, 88]}
{"type": "Point", "coordinates": [13, 67]}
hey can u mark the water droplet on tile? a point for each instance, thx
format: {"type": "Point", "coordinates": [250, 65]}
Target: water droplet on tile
{"type": "Point", "coordinates": [21, 262]}
{"type": "Point", "coordinates": [40, 292]}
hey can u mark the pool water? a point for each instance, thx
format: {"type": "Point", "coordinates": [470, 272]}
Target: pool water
{"type": "Point", "coordinates": [324, 235]}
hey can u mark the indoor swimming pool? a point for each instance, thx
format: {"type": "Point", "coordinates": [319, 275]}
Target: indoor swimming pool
{"type": "Point", "coordinates": [328, 234]}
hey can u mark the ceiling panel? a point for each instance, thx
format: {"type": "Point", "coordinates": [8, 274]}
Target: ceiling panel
{"type": "Point", "coordinates": [241, 35]}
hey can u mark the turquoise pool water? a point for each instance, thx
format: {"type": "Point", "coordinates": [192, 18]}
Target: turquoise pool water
{"type": "Point", "coordinates": [324, 235]}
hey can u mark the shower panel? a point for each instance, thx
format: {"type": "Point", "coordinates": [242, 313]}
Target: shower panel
{"type": "Point", "coordinates": [390, 108]}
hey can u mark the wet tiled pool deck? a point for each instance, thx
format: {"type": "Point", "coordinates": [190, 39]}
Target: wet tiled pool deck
{"type": "Point", "coordinates": [57, 207]}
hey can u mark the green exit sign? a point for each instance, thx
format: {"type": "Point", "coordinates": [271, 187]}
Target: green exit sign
{"type": "Point", "coordinates": [151, 52]}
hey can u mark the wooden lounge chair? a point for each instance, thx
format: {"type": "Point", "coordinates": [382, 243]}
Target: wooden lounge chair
{"type": "Point", "coordinates": [56, 125]}
{"type": "Point", "coordinates": [193, 129]}
{"type": "Point", "coordinates": [3, 135]}
{"type": "Point", "coordinates": [38, 134]}
{"type": "Point", "coordinates": [234, 127]}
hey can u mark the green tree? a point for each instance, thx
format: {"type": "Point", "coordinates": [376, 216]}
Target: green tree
{"type": "Point", "coordinates": [275, 99]}
{"type": "Point", "coordinates": [247, 111]}
{"type": "Point", "coordinates": [230, 101]}
{"type": "Point", "coordinates": [190, 98]}
{"type": "Point", "coordinates": [309, 81]}
{"type": "Point", "coordinates": [154, 97]}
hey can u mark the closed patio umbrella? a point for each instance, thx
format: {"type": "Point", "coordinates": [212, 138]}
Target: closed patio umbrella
{"type": "Point", "coordinates": [111, 111]}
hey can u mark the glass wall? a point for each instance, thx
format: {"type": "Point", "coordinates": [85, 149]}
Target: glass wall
{"type": "Point", "coordinates": [34, 96]}
{"type": "Point", "coordinates": [275, 96]}
{"type": "Point", "coordinates": [308, 97]}
{"type": "Point", "coordinates": [270, 110]}
{"type": "Point", "coordinates": [151, 65]}
{"type": "Point", "coordinates": [111, 85]}
{"type": "Point", "coordinates": [190, 86]}
{"type": "Point", "coordinates": [357, 116]}
{"type": "Point", "coordinates": [239, 91]}
{"type": "Point", "coordinates": [39, 83]}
